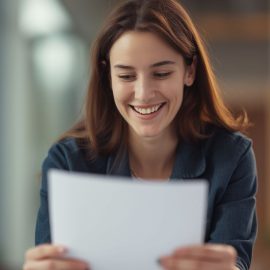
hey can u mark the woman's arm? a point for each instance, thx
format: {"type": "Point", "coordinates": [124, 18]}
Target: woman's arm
{"type": "Point", "coordinates": [55, 160]}
{"type": "Point", "coordinates": [234, 214]}
{"type": "Point", "coordinates": [233, 225]}
{"type": "Point", "coordinates": [48, 256]}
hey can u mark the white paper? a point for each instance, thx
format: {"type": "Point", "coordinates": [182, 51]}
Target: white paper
{"type": "Point", "coordinates": [119, 224]}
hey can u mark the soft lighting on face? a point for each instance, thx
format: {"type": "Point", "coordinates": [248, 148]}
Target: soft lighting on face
{"type": "Point", "coordinates": [42, 17]}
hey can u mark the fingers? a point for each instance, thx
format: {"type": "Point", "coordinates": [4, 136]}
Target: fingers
{"type": "Point", "coordinates": [45, 251]}
{"type": "Point", "coordinates": [55, 264]}
{"type": "Point", "coordinates": [188, 264]}
{"type": "Point", "coordinates": [51, 257]}
{"type": "Point", "coordinates": [200, 257]}
{"type": "Point", "coordinates": [208, 252]}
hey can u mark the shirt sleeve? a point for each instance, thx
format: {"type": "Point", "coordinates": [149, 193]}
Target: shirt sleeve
{"type": "Point", "coordinates": [55, 159]}
{"type": "Point", "coordinates": [234, 221]}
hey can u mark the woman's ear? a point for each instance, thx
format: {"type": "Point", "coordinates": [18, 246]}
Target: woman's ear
{"type": "Point", "coordinates": [191, 72]}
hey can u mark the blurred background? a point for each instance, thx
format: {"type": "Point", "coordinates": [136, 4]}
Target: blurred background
{"type": "Point", "coordinates": [44, 70]}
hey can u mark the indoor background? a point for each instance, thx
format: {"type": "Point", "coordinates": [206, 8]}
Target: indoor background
{"type": "Point", "coordinates": [44, 69]}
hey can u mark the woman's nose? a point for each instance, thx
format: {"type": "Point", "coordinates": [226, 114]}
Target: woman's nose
{"type": "Point", "coordinates": [144, 90]}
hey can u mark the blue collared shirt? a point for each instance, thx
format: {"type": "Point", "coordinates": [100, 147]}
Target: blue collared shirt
{"type": "Point", "coordinates": [225, 159]}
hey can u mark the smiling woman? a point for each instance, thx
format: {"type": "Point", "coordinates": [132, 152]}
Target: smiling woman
{"type": "Point", "coordinates": [153, 112]}
{"type": "Point", "coordinates": [148, 79]}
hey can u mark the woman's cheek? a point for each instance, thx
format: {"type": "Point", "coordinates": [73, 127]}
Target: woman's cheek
{"type": "Point", "coordinates": [122, 93]}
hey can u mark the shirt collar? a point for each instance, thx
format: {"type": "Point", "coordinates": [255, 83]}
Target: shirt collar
{"type": "Point", "coordinates": [189, 162]}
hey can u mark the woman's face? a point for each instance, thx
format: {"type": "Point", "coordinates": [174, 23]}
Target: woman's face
{"type": "Point", "coordinates": [148, 79]}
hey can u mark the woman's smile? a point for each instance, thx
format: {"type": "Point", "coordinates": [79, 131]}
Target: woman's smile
{"type": "Point", "coordinates": [147, 111]}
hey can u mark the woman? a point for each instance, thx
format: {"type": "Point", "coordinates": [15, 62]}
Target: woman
{"type": "Point", "coordinates": [153, 111]}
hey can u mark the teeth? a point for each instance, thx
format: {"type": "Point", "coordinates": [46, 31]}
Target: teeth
{"type": "Point", "coordinates": [147, 110]}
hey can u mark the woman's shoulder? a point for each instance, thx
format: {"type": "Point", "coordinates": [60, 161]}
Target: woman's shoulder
{"type": "Point", "coordinates": [231, 156]}
{"type": "Point", "coordinates": [65, 149]}
{"type": "Point", "coordinates": [74, 155]}
{"type": "Point", "coordinates": [228, 143]}
{"type": "Point", "coordinates": [68, 145]}
{"type": "Point", "coordinates": [221, 135]}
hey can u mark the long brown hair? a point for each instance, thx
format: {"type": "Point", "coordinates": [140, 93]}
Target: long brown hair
{"type": "Point", "coordinates": [101, 128]}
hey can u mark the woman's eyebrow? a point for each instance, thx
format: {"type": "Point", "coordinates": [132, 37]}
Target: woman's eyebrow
{"type": "Point", "coordinates": [162, 63]}
{"type": "Point", "coordinates": [158, 64]}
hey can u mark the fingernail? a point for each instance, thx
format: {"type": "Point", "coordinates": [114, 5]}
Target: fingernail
{"type": "Point", "coordinates": [62, 249]}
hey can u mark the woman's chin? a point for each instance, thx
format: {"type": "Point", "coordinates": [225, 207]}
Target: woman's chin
{"type": "Point", "coordinates": [147, 133]}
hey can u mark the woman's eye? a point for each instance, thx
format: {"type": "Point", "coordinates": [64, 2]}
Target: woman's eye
{"type": "Point", "coordinates": [127, 77]}
{"type": "Point", "coordinates": [162, 75]}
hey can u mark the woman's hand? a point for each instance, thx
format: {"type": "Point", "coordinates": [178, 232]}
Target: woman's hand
{"type": "Point", "coordinates": [45, 257]}
{"type": "Point", "coordinates": [202, 257]}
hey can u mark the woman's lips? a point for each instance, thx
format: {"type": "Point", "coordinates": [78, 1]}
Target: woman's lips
{"type": "Point", "coordinates": [147, 112]}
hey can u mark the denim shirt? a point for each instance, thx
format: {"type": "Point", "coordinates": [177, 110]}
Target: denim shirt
{"type": "Point", "coordinates": [225, 159]}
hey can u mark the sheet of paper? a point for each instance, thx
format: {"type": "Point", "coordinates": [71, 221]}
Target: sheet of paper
{"type": "Point", "coordinates": [119, 224]}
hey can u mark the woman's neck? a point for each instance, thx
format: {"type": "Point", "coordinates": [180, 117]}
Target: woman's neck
{"type": "Point", "coordinates": [152, 158]}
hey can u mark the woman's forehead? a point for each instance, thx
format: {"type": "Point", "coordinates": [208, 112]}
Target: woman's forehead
{"type": "Point", "coordinates": [143, 47]}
